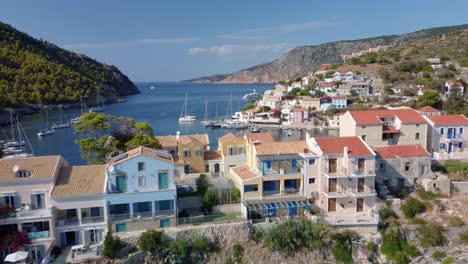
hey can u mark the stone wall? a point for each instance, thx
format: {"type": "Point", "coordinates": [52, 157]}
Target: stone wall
{"type": "Point", "coordinates": [462, 188]}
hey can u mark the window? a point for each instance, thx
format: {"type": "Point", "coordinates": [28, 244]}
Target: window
{"type": "Point", "coordinates": [38, 201]}
{"type": "Point", "coordinates": [141, 181]}
{"type": "Point", "coordinates": [198, 152]}
{"type": "Point", "coordinates": [442, 146]}
{"type": "Point", "coordinates": [407, 166]}
{"type": "Point", "coordinates": [162, 180]}
{"type": "Point", "coordinates": [240, 150]}
{"type": "Point", "coordinates": [311, 161]}
{"type": "Point", "coordinates": [186, 153]}
{"type": "Point", "coordinates": [364, 138]}
{"type": "Point", "coordinates": [121, 183]}
{"type": "Point", "coordinates": [382, 166]}
{"type": "Point", "coordinates": [423, 170]}
{"type": "Point", "coordinates": [311, 180]}
{"type": "Point", "coordinates": [172, 151]}
{"type": "Point", "coordinates": [120, 227]}
{"type": "Point", "coordinates": [461, 130]}
{"type": "Point", "coordinates": [23, 173]}
{"type": "Point", "coordinates": [166, 205]}
{"type": "Point", "coordinates": [251, 188]}
{"type": "Point", "coordinates": [232, 151]}
{"type": "Point", "coordinates": [441, 130]}
{"type": "Point", "coordinates": [294, 164]}
{"type": "Point", "coordinates": [207, 168]}
{"type": "Point", "coordinates": [417, 125]}
{"type": "Point", "coordinates": [460, 144]}
{"type": "Point", "coordinates": [363, 127]}
{"type": "Point", "coordinates": [141, 166]}
{"type": "Point", "coordinates": [416, 136]}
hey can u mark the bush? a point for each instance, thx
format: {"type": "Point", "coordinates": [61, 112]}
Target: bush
{"type": "Point", "coordinates": [455, 221]}
{"type": "Point", "coordinates": [209, 200]}
{"type": "Point", "coordinates": [386, 213]}
{"type": "Point", "coordinates": [181, 247]}
{"type": "Point", "coordinates": [153, 242]}
{"type": "Point", "coordinates": [256, 234]}
{"type": "Point", "coordinates": [111, 246]}
{"type": "Point", "coordinates": [418, 221]}
{"type": "Point", "coordinates": [449, 260]}
{"type": "Point", "coordinates": [395, 246]}
{"type": "Point", "coordinates": [202, 184]}
{"type": "Point", "coordinates": [439, 255]}
{"type": "Point", "coordinates": [456, 166]}
{"type": "Point", "coordinates": [202, 244]}
{"type": "Point", "coordinates": [426, 195]}
{"type": "Point", "coordinates": [412, 206]}
{"type": "Point", "coordinates": [236, 195]}
{"type": "Point", "coordinates": [464, 237]}
{"type": "Point", "coordinates": [431, 236]}
{"type": "Point", "coordinates": [343, 245]}
{"type": "Point", "coordinates": [299, 233]}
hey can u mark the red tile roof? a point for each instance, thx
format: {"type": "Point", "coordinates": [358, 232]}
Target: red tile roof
{"type": "Point", "coordinates": [449, 120]}
{"type": "Point", "coordinates": [336, 145]}
{"type": "Point", "coordinates": [428, 109]}
{"type": "Point", "coordinates": [212, 155]}
{"type": "Point", "coordinates": [339, 97]}
{"type": "Point", "coordinates": [228, 137]}
{"type": "Point", "coordinates": [390, 152]}
{"type": "Point", "coordinates": [372, 117]}
{"type": "Point", "coordinates": [262, 137]}
{"type": "Point", "coordinates": [390, 130]}
{"type": "Point", "coordinates": [244, 172]}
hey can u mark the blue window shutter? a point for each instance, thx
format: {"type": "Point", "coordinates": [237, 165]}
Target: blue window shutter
{"type": "Point", "coordinates": [460, 144]}
{"type": "Point", "coordinates": [293, 164]}
{"type": "Point", "coordinates": [461, 130]}
{"type": "Point", "coordinates": [441, 130]}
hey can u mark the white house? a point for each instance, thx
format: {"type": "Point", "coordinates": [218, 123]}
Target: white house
{"type": "Point", "coordinates": [449, 85]}
{"type": "Point", "coordinates": [273, 102]}
{"type": "Point", "coordinates": [344, 76]}
{"type": "Point", "coordinates": [141, 191]}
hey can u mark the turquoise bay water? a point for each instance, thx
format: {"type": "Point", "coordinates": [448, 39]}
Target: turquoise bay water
{"type": "Point", "coordinates": [160, 107]}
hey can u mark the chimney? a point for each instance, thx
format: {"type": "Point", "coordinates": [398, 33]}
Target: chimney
{"type": "Point", "coordinates": [345, 151]}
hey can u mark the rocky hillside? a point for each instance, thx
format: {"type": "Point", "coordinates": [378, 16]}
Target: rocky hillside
{"type": "Point", "coordinates": [35, 72]}
{"type": "Point", "coordinates": [302, 60]}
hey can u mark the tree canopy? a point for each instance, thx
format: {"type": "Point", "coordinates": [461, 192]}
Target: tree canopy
{"type": "Point", "coordinates": [455, 102]}
{"type": "Point", "coordinates": [104, 134]}
{"type": "Point", "coordinates": [428, 98]}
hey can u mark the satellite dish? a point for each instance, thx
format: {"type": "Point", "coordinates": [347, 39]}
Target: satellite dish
{"type": "Point", "coordinates": [15, 168]}
{"type": "Point", "coordinates": [111, 168]}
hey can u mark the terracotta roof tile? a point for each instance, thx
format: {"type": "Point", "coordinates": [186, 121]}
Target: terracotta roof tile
{"type": "Point", "coordinates": [390, 152]}
{"type": "Point", "coordinates": [282, 147]}
{"type": "Point", "coordinates": [336, 145]}
{"type": "Point", "coordinates": [212, 155]}
{"type": "Point", "coordinates": [370, 117]}
{"type": "Point", "coordinates": [43, 167]}
{"type": "Point", "coordinates": [80, 181]}
{"type": "Point", "coordinates": [261, 137]}
{"type": "Point", "coordinates": [244, 172]}
{"type": "Point", "coordinates": [228, 137]}
{"type": "Point", "coordinates": [148, 152]}
{"type": "Point", "coordinates": [171, 141]}
{"type": "Point", "coordinates": [428, 109]}
{"type": "Point", "coordinates": [449, 120]}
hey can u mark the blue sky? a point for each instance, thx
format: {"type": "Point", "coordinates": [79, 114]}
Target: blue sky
{"type": "Point", "coordinates": [175, 40]}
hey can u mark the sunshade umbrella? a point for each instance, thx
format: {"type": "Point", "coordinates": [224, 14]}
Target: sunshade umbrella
{"type": "Point", "coordinates": [17, 256]}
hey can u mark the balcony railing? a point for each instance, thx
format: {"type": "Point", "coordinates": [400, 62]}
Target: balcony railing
{"type": "Point", "coordinates": [140, 215]}
{"type": "Point", "coordinates": [340, 172]}
{"type": "Point", "coordinates": [363, 172]}
{"type": "Point", "coordinates": [67, 221]}
{"type": "Point", "coordinates": [26, 213]}
{"type": "Point", "coordinates": [38, 234]}
{"type": "Point", "coordinates": [282, 172]}
{"type": "Point", "coordinates": [454, 136]}
{"type": "Point", "coordinates": [271, 193]}
{"type": "Point", "coordinates": [93, 219]}
{"type": "Point", "coordinates": [339, 191]}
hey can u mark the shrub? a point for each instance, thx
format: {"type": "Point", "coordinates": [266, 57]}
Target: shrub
{"type": "Point", "coordinates": [386, 213]}
{"type": "Point", "coordinates": [395, 246]}
{"type": "Point", "coordinates": [256, 234]}
{"type": "Point", "coordinates": [343, 245]}
{"type": "Point", "coordinates": [455, 221]}
{"type": "Point", "coordinates": [456, 166]}
{"type": "Point", "coordinates": [202, 184]}
{"type": "Point", "coordinates": [427, 195]}
{"type": "Point", "coordinates": [209, 200]}
{"type": "Point", "coordinates": [439, 255]}
{"type": "Point", "coordinates": [202, 244]}
{"type": "Point", "coordinates": [298, 233]}
{"type": "Point", "coordinates": [464, 237]}
{"type": "Point", "coordinates": [431, 235]}
{"type": "Point", "coordinates": [111, 246]}
{"type": "Point", "coordinates": [180, 247]}
{"type": "Point", "coordinates": [417, 221]}
{"type": "Point", "coordinates": [449, 260]}
{"type": "Point", "coordinates": [371, 246]}
{"type": "Point", "coordinates": [412, 207]}
{"type": "Point", "coordinates": [235, 195]}
{"type": "Point", "coordinates": [152, 241]}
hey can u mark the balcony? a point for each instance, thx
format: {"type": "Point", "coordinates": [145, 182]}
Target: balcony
{"type": "Point", "coordinates": [92, 220]}
{"type": "Point", "coordinates": [38, 234]}
{"type": "Point", "coordinates": [140, 215]}
{"type": "Point", "coordinates": [272, 193]}
{"type": "Point", "coordinates": [12, 214]}
{"type": "Point", "coordinates": [367, 192]}
{"type": "Point", "coordinates": [338, 192]}
{"type": "Point", "coordinates": [363, 173]}
{"type": "Point", "coordinates": [67, 221]}
{"type": "Point", "coordinates": [340, 172]}
{"type": "Point", "coordinates": [454, 137]}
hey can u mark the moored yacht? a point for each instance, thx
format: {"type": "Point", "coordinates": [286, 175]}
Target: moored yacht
{"type": "Point", "coordinates": [252, 96]}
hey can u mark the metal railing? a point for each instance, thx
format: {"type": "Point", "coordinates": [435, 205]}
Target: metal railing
{"type": "Point", "coordinates": [67, 221]}
{"type": "Point", "coordinates": [38, 234]}
{"type": "Point", "coordinates": [217, 218]}
{"type": "Point", "coordinates": [454, 136]}
{"type": "Point", "coordinates": [141, 215]}
{"type": "Point", "coordinates": [92, 219]}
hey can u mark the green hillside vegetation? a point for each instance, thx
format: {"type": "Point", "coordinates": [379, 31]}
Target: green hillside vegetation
{"type": "Point", "coordinates": [37, 72]}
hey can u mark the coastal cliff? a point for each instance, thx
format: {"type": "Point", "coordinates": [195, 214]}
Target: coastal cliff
{"type": "Point", "coordinates": [302, 60]}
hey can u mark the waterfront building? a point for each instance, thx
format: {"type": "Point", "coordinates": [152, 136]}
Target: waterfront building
{"type": "Point", "coordinates": [232, 149]}
{"type": "Point", "coordinates": [362, 88]}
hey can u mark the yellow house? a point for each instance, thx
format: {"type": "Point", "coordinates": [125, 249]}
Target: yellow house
{"type": "Point", "coordinates": [187, 151]}
{"type": "Point", "coordinates": [232, 148]}
{"type": "Point", "coordinates": [308, 102]}
{"type": "Point", "coordinates": [385, 127]}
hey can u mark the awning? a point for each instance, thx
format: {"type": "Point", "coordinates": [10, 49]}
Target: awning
{"type": "Point", "coordinates": [17, 256]}
{"type": "Point", "coordinates": [390, 130]}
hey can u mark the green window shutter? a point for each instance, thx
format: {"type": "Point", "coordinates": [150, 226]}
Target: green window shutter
{"type": "Point", "coordinates": [141, 166]}
{"type": "Point", "coordinates": [165, 223]}
{"type": "Point", "coordinates": [120, 227]}
{"type": "Point", "coordinates": [121, 184]}
{"type": "Point", "coordinates": [163, 183]}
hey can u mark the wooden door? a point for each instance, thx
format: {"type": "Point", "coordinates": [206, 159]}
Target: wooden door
{"type": "Point", "coordinates": [332, 205]}
{"type": "Point", "coordinates": [360, 204]}
{"type": "Point", "coordinates": [331, 185]}
{"type": "Point", "coordinates": [361, 183]}
{"type": "Point", "coordinates": [332, 166]}
{"type": "Point", "coordinates": [361, 163]}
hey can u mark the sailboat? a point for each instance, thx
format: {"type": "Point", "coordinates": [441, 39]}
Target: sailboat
{"type": "Point", "coordinates": [46, 131]}
{"type": "Point", "coordinates": [12, 143]}
{"type": "Point", "coordinates": [183, 114]}
{"type": "Point", "coordinates": [83, 110]}
{"type": "Point", "coordinates": [100, 103]}
{"type": "Point", "coordinates": [205, 121]}
{"type": "Point", "coordinates": [16, 152]}
{"type": "Point", "coordinates": [63, 120]}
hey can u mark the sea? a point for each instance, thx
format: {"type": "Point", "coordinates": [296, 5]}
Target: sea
{"type": "Point", "coordinates": [159, 104]}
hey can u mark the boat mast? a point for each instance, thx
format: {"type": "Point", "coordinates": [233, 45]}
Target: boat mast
{"type": "Point", "coordinates": [25, 137]}
{"type": "Point", "coordinates": [19, 134]}
{"type": "Point", "coordinates": [12, 126]}
{"type": "Point", "coordinates": [229, 109]}
{"type": "Point", "coordinates": [206, 110]}
{"type": "Point", "coordinates": [185, 103]}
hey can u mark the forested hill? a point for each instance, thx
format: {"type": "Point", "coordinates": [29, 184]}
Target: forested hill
{"type": "Point", "coordinates": [302, 60]}
{"type": "Point", "coordinates": [37, 72]}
